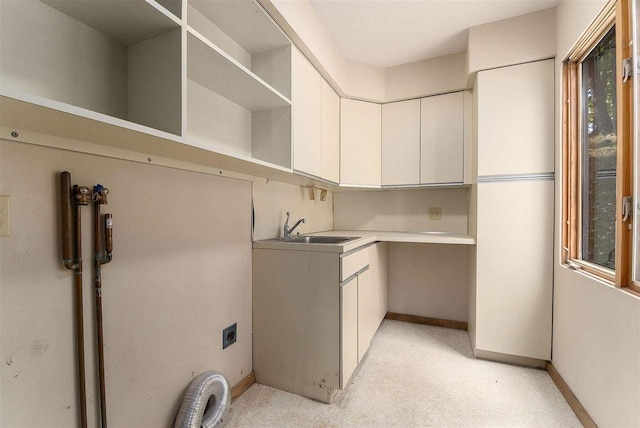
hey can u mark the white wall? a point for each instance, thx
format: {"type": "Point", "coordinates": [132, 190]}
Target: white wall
{"type": "Point", "coordinates": [180, 274]}
{"type": "Point", "coordinates": [361, 81]}
{"type": "Point", "coordinates": [313, 39]}
{"type": "Point", "coordinates": [596, 328]}
{"type": "Point", "coordinates": [428, 77]}
{"type": "Point", "coordinates": [429, 280]}
{"type": "Point", "coordinates": [272, 200]}
{"type": "Point", "coordinates": [511, 41]}
{"type": "Point", "coordinates": [402, 210]}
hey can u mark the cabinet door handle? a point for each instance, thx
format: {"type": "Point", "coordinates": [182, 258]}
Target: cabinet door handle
{"type": "Point", "coordinates": [364, 269]}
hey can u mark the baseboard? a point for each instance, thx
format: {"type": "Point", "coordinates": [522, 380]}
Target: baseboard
{"type": "Point", "coordinates": [242, 386]}
{"type": "Point", "coordinates": [574, 403]}
{"type": "Point", "coordinates": [460, 325]}
{"type": "Point", "coordinates": [509, 359]}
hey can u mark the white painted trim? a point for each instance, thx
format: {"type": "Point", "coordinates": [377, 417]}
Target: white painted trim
{"type": "Point", "coordinates": [34, 138]}
{"type": "Point", "coordinates": [516, 177]}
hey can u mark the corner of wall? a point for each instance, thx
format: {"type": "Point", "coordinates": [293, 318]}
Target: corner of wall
{"type": "Point", "coordinates": [304, 27]}
{"type": "Point", "coordinates": [271, 201]}
{"type": "Point", "coordinates": [427, 77]}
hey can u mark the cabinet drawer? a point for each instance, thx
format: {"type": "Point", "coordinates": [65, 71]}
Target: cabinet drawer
{"type": "Point", "coordinates": [352, 263]}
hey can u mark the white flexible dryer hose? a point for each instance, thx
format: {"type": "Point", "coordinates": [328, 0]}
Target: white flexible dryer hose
{"type": "Point", "coordinates": [206, 403]}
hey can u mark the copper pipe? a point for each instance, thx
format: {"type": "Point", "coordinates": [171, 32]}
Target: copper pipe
{"type": "Point", "coordinates": [108, 232]}
{"type": "Point", "coordinates": [74, 249]}
{"type": "Point", "coordinates": [80, 317]}
{"type": "Point", "coordinates": [99, 197]}
{"type": "Point", "coordinates": [67, 221]}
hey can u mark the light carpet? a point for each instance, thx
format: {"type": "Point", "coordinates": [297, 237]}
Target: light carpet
{"type": "Point", "coordinates": [417, 376]}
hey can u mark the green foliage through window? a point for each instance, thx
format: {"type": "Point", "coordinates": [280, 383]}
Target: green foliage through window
{"type": "Point", "coordinates": [599, 156]}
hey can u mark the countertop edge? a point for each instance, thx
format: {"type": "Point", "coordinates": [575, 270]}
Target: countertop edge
{"type": "Point", "coordinates": [367, 237]}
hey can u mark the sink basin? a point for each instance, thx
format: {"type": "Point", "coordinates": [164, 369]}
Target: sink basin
{"type": "Point", "coordinates": [316, 239]}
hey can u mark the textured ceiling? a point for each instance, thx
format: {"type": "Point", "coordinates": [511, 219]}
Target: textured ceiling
{"type": "Point", "coordinates": [385, 33]}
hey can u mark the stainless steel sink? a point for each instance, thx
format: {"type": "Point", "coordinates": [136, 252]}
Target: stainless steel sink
{"type": "Point", "coordinates": [316, 239]}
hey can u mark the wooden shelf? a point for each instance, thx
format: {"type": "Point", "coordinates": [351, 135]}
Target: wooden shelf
{"type": "Point", "coordinates": [219, 72]}
{"type": "Point", "coordinates": [128, 22]}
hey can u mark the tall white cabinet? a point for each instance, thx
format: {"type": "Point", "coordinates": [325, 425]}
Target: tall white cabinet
{"type": "Point", "coordinates": [511, 304]}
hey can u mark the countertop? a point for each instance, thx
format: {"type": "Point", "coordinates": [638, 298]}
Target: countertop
{"type": "Point", "coordinates": [367, 237]}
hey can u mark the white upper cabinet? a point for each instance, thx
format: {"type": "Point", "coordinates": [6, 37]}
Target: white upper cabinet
{"type": "Point", "coordinates": [516, 119]}
{"type": "Point", "coordinates": [442, 139]}
{"type": "Point", "coordinates": [316, 122]}
{"type": "Point", "coordinates": [307, 116]}
{"type": "Point", "coordinates": [401, 143]}
{"type": "Point", "coordinates": [360, 143]}
{"type": "Point", "coordinates": [330, 151]}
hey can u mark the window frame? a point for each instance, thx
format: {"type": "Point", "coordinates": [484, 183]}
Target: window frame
{"type": "Point", "coordinates": [616, 14]}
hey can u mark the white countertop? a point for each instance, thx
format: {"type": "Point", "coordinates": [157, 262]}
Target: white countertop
{"type": "Point", "coordinates": [367, 237]}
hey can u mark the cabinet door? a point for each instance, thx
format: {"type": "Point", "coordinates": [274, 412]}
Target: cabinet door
{"type": "Point", "coordinates": [367, 314]}
{"type": "Point", "coordinates": [297, 315]}
{"type": "Point", "coordinates": [401, 143]}
{"type": "Point", "coordinates": [348, 330]}
{"type": "Point", "coordinates": [330, 134]}
{"type": "Point", "coordinates": [379, 264]}
{"type": "Point", "coordinates": [516, 119]}
{"type": "Point", "coordinates": [515, 268]}
{"type": "Point", "coordinates": [360, 138]}
{"type": "Point", "coordinates": [442, 139]}
{"type": "Point", "coordinates": [307, 115]}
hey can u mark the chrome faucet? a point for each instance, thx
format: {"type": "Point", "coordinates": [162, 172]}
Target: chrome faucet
{"type": "Point", "coordinates": [287, 230]}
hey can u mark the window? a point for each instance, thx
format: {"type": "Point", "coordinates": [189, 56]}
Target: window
{"type": "Point", "coordinates": [598, 172]}
{"type": "Point", "coordinates": [598, 139]}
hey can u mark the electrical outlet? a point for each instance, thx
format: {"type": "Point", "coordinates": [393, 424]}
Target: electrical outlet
{"type": "Point", "coordinates": [434, 213]}
{"type": "Point", "coordinates": [229, 335]}
{"type": "Point", "coordinates": [4, 216]}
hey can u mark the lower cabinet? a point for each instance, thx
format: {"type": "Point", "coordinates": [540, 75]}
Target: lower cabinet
{"type": "Point", "coordinates": [367, 324]}
{"type": "Point", "coordinates": [349, 357]}
{"type": "Point", "coordinates": [373, 296]}
{"type": "Point", "coordinates": [511, 308]}
{"type": "Point", "coordinates": [314, 315]}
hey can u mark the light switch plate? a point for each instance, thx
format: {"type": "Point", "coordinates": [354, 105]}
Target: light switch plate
{"type": "Point", "coordinates": [4, 216]}
{"type": "Point", "coordinates": [434, 213]}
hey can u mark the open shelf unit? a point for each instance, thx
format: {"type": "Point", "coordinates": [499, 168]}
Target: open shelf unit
{"type": "Point", "coordinates": [244, 108]}
{"type": "Point", "coordinates": [242, 30]}
{"type": "Point", "coordinates": [69, 51]}
{"type": "Point", "coordinates": [128, 22]}
{"type": "Point", "coordinates": [214, 74]}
